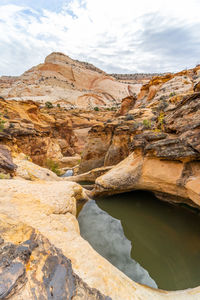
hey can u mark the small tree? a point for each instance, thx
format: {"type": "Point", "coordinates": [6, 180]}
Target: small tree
{"type": "Point", "coordinates": [96, 108]}
{"type": "Point", "coordinates": [53, 166]}
{"type": "Point", "coordinates": [48, 104]}
{"type": "Point", "coordinates": [2, 122]}
{"type": "Point", "coordinates": [147, 123]}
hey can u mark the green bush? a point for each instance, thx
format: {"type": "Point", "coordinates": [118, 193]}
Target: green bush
{"type": "Point", "coordinates": [113, 108]}
{"type": "Point", "coordinates": [4, 176]}
{"type": "Point", "coordinates": [96, 108]}
{"type": "Point", "coordinates": [48, 104]}
{"type": "Point", "coordinates": [58, 105]}
{"type": "Point", "coordinates": [53, 166]}
{"type": "Point", "coordinates": [172, 94]}
{"type": "Point", "coordinates": [2, 122]}
{"type": "Point", "coordinates": [147, 123]}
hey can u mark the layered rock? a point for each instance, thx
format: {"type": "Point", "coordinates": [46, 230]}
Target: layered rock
{"type": "Point", "coordinates": [31, 267]}
{"type": "Point", "coordinates": [166, 160]}
{"type": "Point", "coordinates": [107, 144]}
{"type": "Point", "coordinates": [46, 133]}
{"type": "Point", "coordinates": [68, 82]}
{"type": "Point", "coordinates": [126, 104]}
{"type": "Point", "coordinates": [43, 255]}
{"type": "Point", "coordinates": [6, 162]}
{"type": "Point", "coordinates": [25, 128]}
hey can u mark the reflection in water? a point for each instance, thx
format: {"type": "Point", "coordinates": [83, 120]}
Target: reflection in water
{"type": "Point", "coordinates": [68, 173]}
{"type": "Point", "coordinates": [106, 235]}
{"type": "Point", "coordinates": [165, 238]}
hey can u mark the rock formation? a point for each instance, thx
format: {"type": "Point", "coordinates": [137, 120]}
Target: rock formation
{"type": "Point", "coordinates": [44, 133]}
{"type": "Point", "coordinates": [151, 143]}
{"type": "Point", "coordinates": [32, 268]}
{"type": "Point", "coordinates": [161, 138]}
{"type": "Point", "coordinates": [43, 255]}
{"type": "Point", "coordinates": [127, 104]}
{"type": "Point", "coordinates": [70, 83]}
{"type": "Point", "coordinates": [6, 161]}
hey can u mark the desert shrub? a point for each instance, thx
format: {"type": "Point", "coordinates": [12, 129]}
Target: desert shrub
{"type": "Point", "coordinates": [58, 105]}
{"type": "Point", "coordinates": [129, 117]}
{"type": "Point", "coordinates": [161, 121]}
{"type": "Point", "coordinates": [172, 94]}
{"type": "Point", "coordinates": [163, 105]}
{"type": "Point", "coordinates": [147, 123]}
{"type": "Point", "coordinates": [48, 104]}
{"type": "Point", "coordinates": [2, 122]}
{"type": "Point", "coordinates": [134, 126]}
{"type": "Point", "coordinates": [4, 176]}
{"type": "Point", "coordinates": [96, 108]}
{"type": "Point", "coordinates": [53, 166]}
{"type": "Point", "coordinates": [162, 98]}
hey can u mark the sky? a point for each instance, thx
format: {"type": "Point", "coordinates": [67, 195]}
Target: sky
{"type": "Point", "coordinates": [117, 36]}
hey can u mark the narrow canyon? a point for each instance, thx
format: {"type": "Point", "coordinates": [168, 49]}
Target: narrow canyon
{"type": "Point", "coordinates": [99, 183]}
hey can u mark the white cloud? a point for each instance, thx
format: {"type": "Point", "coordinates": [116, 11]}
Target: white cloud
{"type": "Point", "coordinates": [120, 36]}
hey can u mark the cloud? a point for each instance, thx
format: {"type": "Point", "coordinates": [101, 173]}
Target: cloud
{"type": "Point", "coordinates": [117, 36]}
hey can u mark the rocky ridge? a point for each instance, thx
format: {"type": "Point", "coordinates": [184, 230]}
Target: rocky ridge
{"type": "Point", "coordinates": [70, 83]}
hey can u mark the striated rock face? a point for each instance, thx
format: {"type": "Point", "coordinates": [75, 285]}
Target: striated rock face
{"type": "Point", "coordinates": [99, 140]}
{"type": "Point", "coordinates": [32, 268]}
{"type": "Point", "coordinates": [165, 159]}
{"type": "Point", "coordinates": [170, 180]}
{"type": "Point", "coordinates": [6, 161]}
{"type": "Point", "coordinates": [27, 129]}
{"type": "Point", "coordinates": [108, 144]}
{"type": "Point", "coordinates": [44, 133]}
{"type": "Point", "coordinates": [68, 82]}
{"type": "Point", "coordinates": [127, 104]}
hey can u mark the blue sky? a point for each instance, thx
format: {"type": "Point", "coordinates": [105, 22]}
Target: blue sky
{"type": "Point", "coordinates": [117, 36]}
{"type": "Point", "coordinates": [53, 5]}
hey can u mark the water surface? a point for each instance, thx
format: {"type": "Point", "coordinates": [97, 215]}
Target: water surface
{"type": "Point", "coordinates": [106, 236]}
{"type": "Point", "coordinates": [165, 238]}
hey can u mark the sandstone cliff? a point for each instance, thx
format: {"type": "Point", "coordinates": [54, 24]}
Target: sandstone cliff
{"type": "Point", "coordinates": [161, 135]}
{"type": "Point", "coordinates": [68, 82]}
{"type": "Point", "coordinates": [44, 133]}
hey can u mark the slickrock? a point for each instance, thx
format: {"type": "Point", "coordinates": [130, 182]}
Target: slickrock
{"type": "Point", "coordinates": [68, 82]}
{"type": "Point", "coordinates": [40, 236]}
{"type": "Point", "coordinates": [33, 268]}
{"type": "Point", "coordinates": [30, 171]}
{"type": "Point", "coordinates": [89, 176]}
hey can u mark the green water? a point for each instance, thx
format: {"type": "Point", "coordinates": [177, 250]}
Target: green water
{"type": "Point", "coordinates": [165, 238]}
